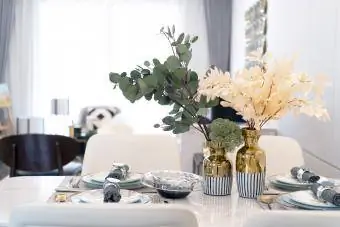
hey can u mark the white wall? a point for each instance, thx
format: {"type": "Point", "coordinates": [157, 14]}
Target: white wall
{"type": "Point", "coordinates": [309, 28]}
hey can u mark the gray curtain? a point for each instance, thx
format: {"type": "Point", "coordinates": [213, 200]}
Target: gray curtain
{"type": "Point", "coordinates": [218, 15]}
{"type": "Point", "coordinates": [218, 20]}
{"type": "Point", "coordinates": [6, 22]}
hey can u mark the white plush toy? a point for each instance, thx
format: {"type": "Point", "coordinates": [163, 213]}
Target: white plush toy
{"type": "Point", "coordinates": [98, 117]}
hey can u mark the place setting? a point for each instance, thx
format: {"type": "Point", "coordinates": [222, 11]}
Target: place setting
{"type": "Point", "coordinates": [120, 185]}
{"type": "Point", "coordinates": [303, 189]}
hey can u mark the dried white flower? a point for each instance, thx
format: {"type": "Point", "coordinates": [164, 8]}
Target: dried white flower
{"type": "Point", "coordinates": [267, 91]}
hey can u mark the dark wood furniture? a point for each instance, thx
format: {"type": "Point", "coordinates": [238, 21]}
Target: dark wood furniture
{"type": "Point", "coordinates": [38, 154]}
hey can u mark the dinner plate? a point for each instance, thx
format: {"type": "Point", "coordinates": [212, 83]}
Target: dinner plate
{"type": "Point", "coordinates": [100, 177]}
{"type": "Point", "coordinates": [287, 201]}
{"type": "Point", "coordinates": [289, 181]}
{"type": "Point", "coordinates": [123, 185]}
{"type": "Point", "coordinates": [96, 196]}
{"type": "Point", "coordinates": [307, 198]}
{"type": "Point", "coordinates": [143, 199]}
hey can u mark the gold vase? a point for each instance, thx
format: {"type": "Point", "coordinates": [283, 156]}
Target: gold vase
{"type": "Point", "coordinates": [250, 166]}
{"type": "Point", "coordinates": [217, 171]}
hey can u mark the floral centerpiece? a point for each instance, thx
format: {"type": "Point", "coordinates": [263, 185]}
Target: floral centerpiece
{"type": "Point", "coordinates": [267, 91]}
{"type": "Point", "coordinates": [174, 83]}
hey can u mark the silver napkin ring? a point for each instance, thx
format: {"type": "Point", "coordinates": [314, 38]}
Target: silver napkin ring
{"type": "Point", "coordinates": [319, 192]}
{"type": "Point", "coordinates": [300, 172]}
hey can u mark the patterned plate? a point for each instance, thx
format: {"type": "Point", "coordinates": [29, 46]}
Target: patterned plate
{"type": "Point", "coordinates": [100, 177]}
{"type": "Point", "coordinates": [96, 185]}
{"type": "Point", "coordinates": [286, 201]}
{"type": "Point", "coordinates": [289, 180]}
{"type": "Point", "coordinates": [96, 196]}
{"type": "Point", "coordinates": [308, 198]}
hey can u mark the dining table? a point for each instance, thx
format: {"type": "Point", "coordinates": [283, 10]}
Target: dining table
{"type": "Point", "coordinates": [211, 211]}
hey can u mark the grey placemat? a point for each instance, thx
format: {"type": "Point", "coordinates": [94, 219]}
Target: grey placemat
{"type": "Point", "coordinates": [155, 197]}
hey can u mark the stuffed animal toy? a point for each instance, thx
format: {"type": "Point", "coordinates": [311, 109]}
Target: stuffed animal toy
{"type": "Point", "coordinates": [96, 117]}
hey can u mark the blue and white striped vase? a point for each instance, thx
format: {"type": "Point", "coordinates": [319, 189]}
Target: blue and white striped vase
{"type": "Point", "coordinates": [217, 171]}
{"type": "Point", "coordinates": [250, 166]}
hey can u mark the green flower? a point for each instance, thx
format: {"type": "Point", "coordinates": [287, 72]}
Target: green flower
{"type": "Point", "coordinates": [226, 132]}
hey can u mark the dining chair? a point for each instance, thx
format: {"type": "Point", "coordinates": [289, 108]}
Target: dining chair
{"type": "Point", "coordinates": [102, 215]}
{"type": "Point", "coordinates": [142, 153]}
{"type": "Point", "coordinates": [293, 219]}
{"type": "Point", "coordinates": [39, 154]}
{"type": "Point", "coordinates": [282, 153]}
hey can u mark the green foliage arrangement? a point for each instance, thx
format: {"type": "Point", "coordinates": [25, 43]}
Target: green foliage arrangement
{"type": "Point", "coordinates": [225, 132]}
{"type": "Point", "coordinates": [169, 83]}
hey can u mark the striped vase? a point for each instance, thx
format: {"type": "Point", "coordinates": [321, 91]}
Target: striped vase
{"type": "Point", "coordinates": [250, 166]}
{"type": "Point", "coordinates": [217, 172]}
{"type": "Point", "coordinates": [250, 185]}
{"type": "Point", "coordinates": [218, 185]}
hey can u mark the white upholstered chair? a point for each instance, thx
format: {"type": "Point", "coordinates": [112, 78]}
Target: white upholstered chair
{"type": "Point", "coordinates": [101, 215]}
{"type": "Point", "coordinates": [142, 152]}
{"type": "Point", "coordinates": [294, 219]}
{"type": "Point", "coordinates": [282, 153]}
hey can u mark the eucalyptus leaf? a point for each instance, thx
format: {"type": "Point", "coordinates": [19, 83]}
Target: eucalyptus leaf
{"type": "Point", "coordinates": [147, 63]}
{"type": "Point", "coordinates": [114, 77]}
{"type": "Point", "coordinates": [143, 87]}
{"type": "Point", "coordinates": [150, 81]}
{"type": "Point", "coordinates": [135, 74]}
{"type": "Point", "coordinates": [169, 120]}
{"type": "Point", "coordinates": [145, 72]}
{"type": "Point", "coordinates": [157, 95]}
{"type": "Point", "coordinates": [193, 85]}
{"type": "Point", "coordinates": [175, 109]}
{"type": "Point", "coordinates": [164, 100]}
{"type": "Point", "coordinates": [186, 57]}
{"type": "Point", "coordinates": [168, 127]}
{"type": "Point", "coordinates": [194, 39]}
{"type": "Point", "coordinates": [180, 38]}
{"type": "Point", "coordinates": [169, 32]}
{"type": "Point", "coordinates": [172, 63]}
{"type": "Point", "coordinates": [187, 39]}
{"type": "Point", "coordinates": [131, 93]}
{"type": "Point", "coordinates": [148, 96]}
{"type": "Point", "coordinates": [180, 73]}
{"type": "Point", "coordinates": [180, 128]}
{"type": "Point", "coordinates": [124, 83]}
{"type": "Point", "coordinates": [181, 49]}
{"type": "Point", "coordinates": [155, 61]}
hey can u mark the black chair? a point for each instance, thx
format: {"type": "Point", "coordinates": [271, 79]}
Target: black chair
{"type": "Point", "coordinates": [38, 154]}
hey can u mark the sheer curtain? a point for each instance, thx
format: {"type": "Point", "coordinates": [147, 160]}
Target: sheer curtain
{"type": "Point", "coordinates": [81, 41]}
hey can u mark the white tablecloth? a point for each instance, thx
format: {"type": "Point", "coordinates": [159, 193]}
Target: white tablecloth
{"type": "Point", "coordinates": [211, 211]}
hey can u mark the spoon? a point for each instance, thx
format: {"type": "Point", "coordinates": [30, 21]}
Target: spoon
{"type": "Point", "coordinates": [267, 199]}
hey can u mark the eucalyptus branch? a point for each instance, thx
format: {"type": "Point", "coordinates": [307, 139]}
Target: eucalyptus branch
{"type": "Point", "coordinates": [167, 37]}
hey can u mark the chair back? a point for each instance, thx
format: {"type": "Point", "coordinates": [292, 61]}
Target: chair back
{"type": "Point", "coordinates": [294, 219]}
{"type": "Point", "coordinates": [102, 215]}
{"type": "Point", "coordinates": [282, 153]}
{"type": "Point", "coordinates": [141, 152]}
{"type": "Point", "coordinates": [37, 152]}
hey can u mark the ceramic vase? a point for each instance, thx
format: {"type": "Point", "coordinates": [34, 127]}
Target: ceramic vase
{"type": "Point", "coordinates": [250, 166]}
{"type": "Point", "coordinates": [217, 171]}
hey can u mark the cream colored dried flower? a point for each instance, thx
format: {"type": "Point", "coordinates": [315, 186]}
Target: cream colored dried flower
{"type": "Point", "coordinates": [267, 91]}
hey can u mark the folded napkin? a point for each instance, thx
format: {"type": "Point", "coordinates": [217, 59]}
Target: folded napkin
{"type": "Point", "coordinates": [304, 175]}
{"type": "Point", "coordinates": [111, 191]}
{"type": "Point", "coordinates": [325, 193]}
{"type": "Point", "coordinates": [118, 171]}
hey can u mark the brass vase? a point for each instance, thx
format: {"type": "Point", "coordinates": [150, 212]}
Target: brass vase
{"type": "Point", "coordinates": [250, 166]}
{"type": "Point", "coordinates": [217, 171]}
